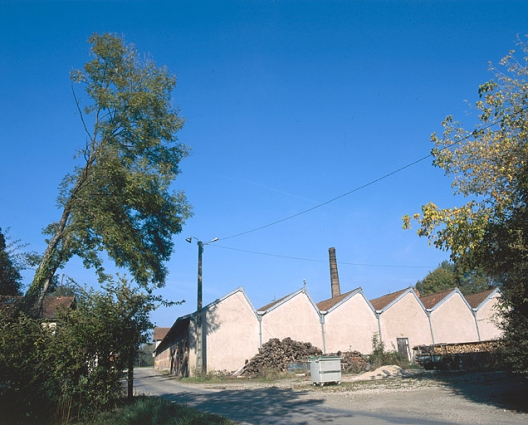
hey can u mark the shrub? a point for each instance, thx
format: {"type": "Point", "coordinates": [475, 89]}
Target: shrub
{"type": "Point", "coordinates": [381, 357]}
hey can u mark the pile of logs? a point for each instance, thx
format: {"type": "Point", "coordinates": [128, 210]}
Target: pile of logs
{"type": "Point", "coordinates": [460, 348]}
{"type": "Point", "coordinates": [353, 361]}
{"type": "Point", "coordinates": [276, 355]}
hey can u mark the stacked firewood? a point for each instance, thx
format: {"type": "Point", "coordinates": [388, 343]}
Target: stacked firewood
{"type": "Point", "coordinates": [461, 348]}
{"type": "Point", "coordinates": [353, 361]}
{"type": "Point", "coordinates": [276, 355]}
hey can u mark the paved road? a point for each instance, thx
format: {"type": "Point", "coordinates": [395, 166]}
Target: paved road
{"type": "Point", "coordinates": [272, 405]}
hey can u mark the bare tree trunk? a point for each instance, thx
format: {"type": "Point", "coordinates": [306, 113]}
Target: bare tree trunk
{"type": "Point", "coordinates": [130, 377]}
{"type": "Point", "coordinates": [47, 266]}
{"type": "Point", "coordinates": [46, 269]}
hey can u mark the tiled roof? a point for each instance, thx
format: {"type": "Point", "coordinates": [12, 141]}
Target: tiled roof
{"type": "Point", "coordinates": [329, 303]}
{"type": "Point", "coordinates": [474, 300]}
{"type": "Point", "coordinates": [159, 333]}
{"type": "Point", "coordinates": [178, 332]}
{"type": "Point", "coordinates": [8, 302]}
{"type": "Point", "coordinates": [271, 304]}
{"type": "Point", "coordinates": [429, 301]}
{"type": "Point", "coordinates": [52, 305]}
{"type": "Point", "coordinates": [382, 302]}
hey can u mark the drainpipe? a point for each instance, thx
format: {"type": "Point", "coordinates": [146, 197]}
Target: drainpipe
{"type": "Point", "coordinates": [474, 311]}
{"type": "Point", "coordinates": [323, 331]}
{"type": "Point", "coordinates": [428, 312]}
{"type": "Point", "coordinates": [259, 317]}
{"type": "Point", "coordinates": [378, 315]}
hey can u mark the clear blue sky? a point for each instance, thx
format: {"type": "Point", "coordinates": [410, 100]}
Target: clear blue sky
{"type": "Point", "coordinates": [288, 104]}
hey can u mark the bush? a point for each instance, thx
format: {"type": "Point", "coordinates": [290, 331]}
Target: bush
{"type": "Point", "coordinates": [156, 411]}
{"type": "Point", "coordinates": [381, 357]}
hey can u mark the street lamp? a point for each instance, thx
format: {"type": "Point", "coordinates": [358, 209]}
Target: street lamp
{"type": "Point", "coordinates": [199, 327]}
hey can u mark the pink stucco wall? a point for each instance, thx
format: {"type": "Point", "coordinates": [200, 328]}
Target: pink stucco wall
{"type": "Point", "coordinates": [232, 333]}
{"type": "Point", "coordinates": [453, 321]}
{"type": "Point", "coordinates": [405, 319]}
{"type": "Point", "coordinates": [350, 326]}
{"type": "Point", "coordinates": [297, 318]}
{"type": "Point", "coordinates": [488, 319]}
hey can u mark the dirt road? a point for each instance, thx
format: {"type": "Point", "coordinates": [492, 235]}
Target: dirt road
{"type": "Point", "coordinates": [426, 400]}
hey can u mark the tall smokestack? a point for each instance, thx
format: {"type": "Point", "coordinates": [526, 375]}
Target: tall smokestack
{"type": "Point", "coordinates": [334, 276]}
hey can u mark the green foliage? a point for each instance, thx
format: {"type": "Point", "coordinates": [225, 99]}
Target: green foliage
{"type": "Point", "coordinates": [76, 368]}
{"type": "Point", "coordinates": [489, 164]}
{"type": "Point", "coordinates": [119, 200]}
{"type": "Point", "coordinates": [154, 411]}
{"type": "Point", "coordinates": [12, 261]}
{"type": "Point", "coordinates": [10, 278]}
{"type": "Point", "coordinates": [449, 275]}
{"type": "Point", "coordinates": [25, 372]}
{"type": "Point", "coordinates": [381, 357]}
{"type": "Point", "coordinates": [440, 279]}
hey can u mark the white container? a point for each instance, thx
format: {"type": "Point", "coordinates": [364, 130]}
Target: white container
{"type": "Point", "coordinates": [325, 369]}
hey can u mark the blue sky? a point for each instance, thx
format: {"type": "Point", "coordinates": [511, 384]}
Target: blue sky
{"type": "Point", "coordinates": [288, 104]}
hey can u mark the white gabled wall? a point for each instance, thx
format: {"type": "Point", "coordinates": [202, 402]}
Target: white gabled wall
{"type": "Point", "coordinates": [296, 317]}
{"type": "Point", "coordinates": [350, 326]}
{"type": "Point", "coordinates": [234, 330]}
{"type": "Point", "coordinates": [231, 328]}
{"type": "Point", "coordinates": [487, 316]}
{"type": "Point", "coordinates": [405, 318]}
{"type": "Point", "coordinates": [452, 320]}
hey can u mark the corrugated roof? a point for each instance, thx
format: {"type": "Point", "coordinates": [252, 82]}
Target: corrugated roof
{"type": "Point", "coordinates": [475, 300]}
{"type": "Point", "coordinates": [382, 302]}
{"type": "Point", "coordinates": [331, 302]}
{"type": "Point", "coordinates": [160, 333]}
{"type": "Point", "coordinates": [429, 301]}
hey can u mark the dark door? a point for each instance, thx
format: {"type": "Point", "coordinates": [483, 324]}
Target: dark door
{"type": "Point", "coordinates": [403, 348]}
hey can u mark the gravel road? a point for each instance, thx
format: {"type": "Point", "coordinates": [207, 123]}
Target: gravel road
{"type": "Point", "coordinates": [485, 398]}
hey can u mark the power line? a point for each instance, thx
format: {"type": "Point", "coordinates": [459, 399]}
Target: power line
{"type": "Point", "coordinates": [329, 201]}
{"type": "Point", "coordinates": [317, 261]}
{"type": "Point", "coordinates": [470, 134]}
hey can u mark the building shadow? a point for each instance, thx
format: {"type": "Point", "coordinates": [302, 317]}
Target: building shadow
{"type": "Point", "coordinates": [497, 388]}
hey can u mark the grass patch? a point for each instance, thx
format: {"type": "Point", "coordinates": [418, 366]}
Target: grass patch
{"type": "Point", "coordinates": [156, 411]}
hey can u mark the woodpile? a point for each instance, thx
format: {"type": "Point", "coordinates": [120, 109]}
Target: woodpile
{"type": "Point", "coordinates": [279, 356]}
{"type": "Point", "coordinates": [276, 355]}
{"type": "Point", "coordinates": [353, 361]}
{"type": "Point", "coordinates": [459, 348]}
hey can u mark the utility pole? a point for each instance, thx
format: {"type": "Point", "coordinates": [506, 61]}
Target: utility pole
{"type": "Point", "coordinates": [200, 369]}
{"type": "Point", "coordinates": [199, 325]}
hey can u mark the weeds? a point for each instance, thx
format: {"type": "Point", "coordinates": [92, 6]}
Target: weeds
{"type": "Point", "coordinates": [381, 357]}
{"type": "Point", "coordinates": [156, 411]}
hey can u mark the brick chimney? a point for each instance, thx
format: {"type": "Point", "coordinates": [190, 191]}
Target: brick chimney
{"type": "Point", "coordinates": [334, 276]}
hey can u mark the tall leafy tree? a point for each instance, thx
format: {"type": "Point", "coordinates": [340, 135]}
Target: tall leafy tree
{"type": "Point", "coordinates": [440, 279]}
{"type": "Point", "coordinates": [10, 277]}
{"type": "Point", "coordinates": [489, 166]}
{"type": "Point", "coordinates": [119, 199]}
{"type": "Point", "coordinates": [454, 275]}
